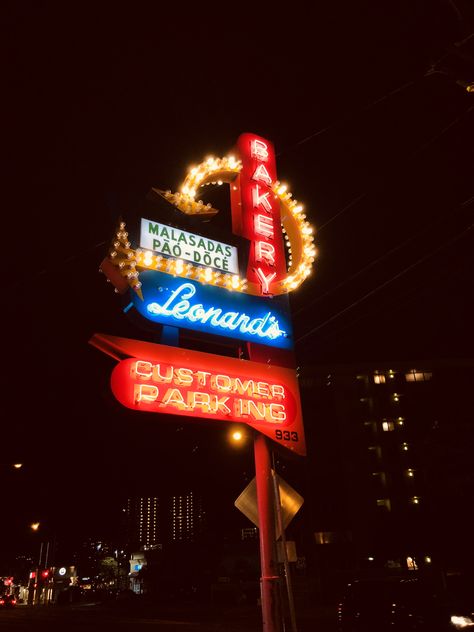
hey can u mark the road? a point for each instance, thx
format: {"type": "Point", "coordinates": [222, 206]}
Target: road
{"type": "Point", "coordinates": [120, 618]}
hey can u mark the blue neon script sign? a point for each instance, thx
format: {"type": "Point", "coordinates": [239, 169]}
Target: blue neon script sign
{"type": "Point", "coordinates": [180, 302]}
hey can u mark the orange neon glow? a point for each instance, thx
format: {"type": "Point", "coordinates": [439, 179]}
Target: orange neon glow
{"type": "Point", "coordinates": [265, 279]}
{"type": "Point", "coordinates": [262, 175]}
{"type": "Point", "coordinates": [264, 225]}
{"type": "Point", "coordinates": [255, 191]}
{"type": "Point", "coordinates": [265, 252]}
{"type": "Point", "coordinates": [259, 150]}
{"type": "Point", "coordinates": [201, 391]}
{"type": "Point", "coordinates": [194, 384]}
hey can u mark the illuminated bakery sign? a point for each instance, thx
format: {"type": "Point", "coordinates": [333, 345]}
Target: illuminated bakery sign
{"type": "Point", "coordinates": [192, 384]}
{"type": "Point", "coordinates": [177, 243]}
{"type": "Point", "coordinates": [233, 284]}
{"type": "Point", "coordinates": [256, 214]}
{"type": "Point", "coordinates": [264, 212]}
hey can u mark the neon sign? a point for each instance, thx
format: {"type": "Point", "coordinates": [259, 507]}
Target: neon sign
{"type": "Point", "coordinates": [256, 212]}
{"type": "Point", "coordinates": [195, 384]}
{"type": "Point", "coordinates": [174, 301]}
{"type": "Point", "coordinates": [260, 203]}
{"type": "Point", "coordinates": [175, 278]}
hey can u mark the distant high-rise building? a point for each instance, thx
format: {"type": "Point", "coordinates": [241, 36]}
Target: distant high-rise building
{"type": "Point", "coordinates": [187, 517]}
{"type": "Point", "coordinates": [249, 533]}
{"type": "Point", "coordinates": [390, 460]}
{"type": "Point", "coordinates": [143, 523]}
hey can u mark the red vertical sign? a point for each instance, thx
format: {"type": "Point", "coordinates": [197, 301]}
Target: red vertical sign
{"type": "Point", "coordinates": [256, 211]}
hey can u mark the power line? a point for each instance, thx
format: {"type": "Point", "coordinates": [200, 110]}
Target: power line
{"type": "Point", "coordinates": [349, 115]}
{"type": "Point", "coordinates": [375, 102]}
{"type": "Point", "coordinates": [69, 259]}
{"type": "Point", "coordinates": [407, 296]}
{"type": "Point", "coordinates": [356, 200]}
{"type": "Point", "coordinates": [374, 262]}
{"type": "Point", "coordinates": [384, 284]}
{"type": "Point", "coordinates": [418, 150]}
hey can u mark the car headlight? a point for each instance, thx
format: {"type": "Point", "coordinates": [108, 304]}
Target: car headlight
{"type": "Point", "coordinates": [462, 622]}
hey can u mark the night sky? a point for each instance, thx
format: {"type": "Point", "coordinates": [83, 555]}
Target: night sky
{"type": "Point", "coordinates": [367, 106]}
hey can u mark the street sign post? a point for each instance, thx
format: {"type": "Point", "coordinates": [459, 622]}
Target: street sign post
{"type": "Point", "coordinates": [174, 276]}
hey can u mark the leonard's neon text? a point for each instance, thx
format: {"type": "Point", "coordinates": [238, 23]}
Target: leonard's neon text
{"type": "Point", "coordinates": [186, 303]}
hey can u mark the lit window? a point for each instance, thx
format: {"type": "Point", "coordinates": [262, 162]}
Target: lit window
{"type": "Point", "coordinates": [381, 476]}
{"type": "Point", "coordinates": [379, 379]}
{"type": "Point", "coordinates": [388, 426]}
{"type": "Point", "coordinates": [385, 503]}
{"type": "Point", "coordinates": [411, 564]}
{"type": "Point", "coordinates": [418, 376]}
{"type": "Point", "coordinates": [377, 449]}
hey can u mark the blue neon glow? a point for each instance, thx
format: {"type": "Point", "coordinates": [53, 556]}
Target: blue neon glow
{"type": "Point", "coordinates": [178, 306]}
{"type": "Point", "coordinates": [185, 303]}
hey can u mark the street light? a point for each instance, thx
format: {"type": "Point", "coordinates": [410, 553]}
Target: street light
{"type": "Point", "coordinates": [237, 436]}
{"type": "Point", "coordinates": [40, 588]}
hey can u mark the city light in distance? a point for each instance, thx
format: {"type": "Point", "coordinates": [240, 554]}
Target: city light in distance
{"type": "Point", "coordinates": [34, 526]}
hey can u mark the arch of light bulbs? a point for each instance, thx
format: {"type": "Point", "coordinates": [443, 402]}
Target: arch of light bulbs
{"type": "Point", "coordinates": [297, 231]}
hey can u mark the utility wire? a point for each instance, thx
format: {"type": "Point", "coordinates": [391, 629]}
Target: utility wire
{"type": "Point", "coordinates": [374, 262]}
{"type": "Point", "coordinates": [403, 298]}
{"type": "Point", "coordinates": [69, 259]}
{"type": "Point", "coordinates": [350, 115]}
{"type": "Point", "coordinates": [418, 150]}
{"type": "Point", "coordinates": [375, 102]}
{"type": "Point", "coordinates": [355, 201]}
{"type": "Point", "coordinates": [384, 284]}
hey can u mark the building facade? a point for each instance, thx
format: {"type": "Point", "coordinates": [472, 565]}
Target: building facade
{"type": "Point", "coordinates": [187, 517]}
{"type": "Point", "coordinates": [152, 521]}
{"type": "Point", "coordinates": [143, 521]}
{"type": "Point", "coordinates": [390, 463]}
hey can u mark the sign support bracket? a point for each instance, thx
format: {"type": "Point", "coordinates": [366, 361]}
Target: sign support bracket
{"type": "Point", "coordinates": [269, 581]}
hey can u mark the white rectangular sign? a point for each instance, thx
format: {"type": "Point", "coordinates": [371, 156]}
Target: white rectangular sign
{"type": "Point", "coordinates": [180, 244]}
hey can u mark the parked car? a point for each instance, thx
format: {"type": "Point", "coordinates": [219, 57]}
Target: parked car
{"type": "Point", "coordinates": [7, 601]}
{"type": "Point", "coordinates": [406, 604]}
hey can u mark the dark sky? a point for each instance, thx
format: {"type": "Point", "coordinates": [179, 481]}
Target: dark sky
{"type": "Point", "coordinates": [372, 124]}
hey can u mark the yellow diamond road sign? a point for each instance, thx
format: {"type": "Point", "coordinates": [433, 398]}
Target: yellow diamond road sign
{"type": "Point", "coordinates": [291, 503]}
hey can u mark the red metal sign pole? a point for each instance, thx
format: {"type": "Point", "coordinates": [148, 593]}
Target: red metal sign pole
{"type": "Point", "coordinates": [269, 588]}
